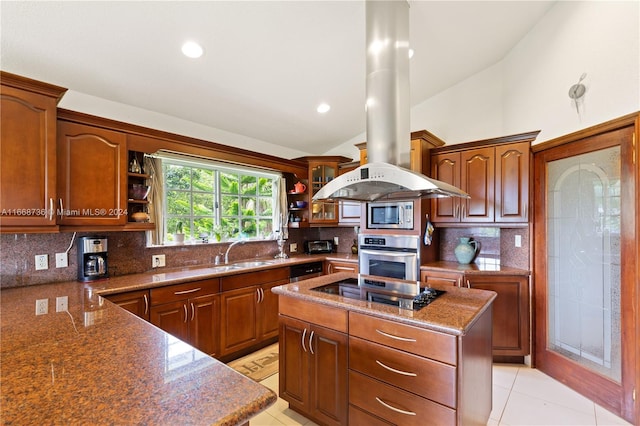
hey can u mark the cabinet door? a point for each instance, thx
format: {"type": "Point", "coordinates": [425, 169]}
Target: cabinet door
{"type": "Point", "coordinates": [294, 363]}
{"type": "Point", "coordinates": [350, 213]}
{"type": "Point", "coordinates": [328, 350]}
{"type": "Point", "coordinates": [320, 174]}
{"type": "Point", "coordinates": [446, 168]}
{"type": "Point", "coordinates": [136, 302]}
{"type": "Point", "coordinates": [512, 182]}
{"type": "Point", "coordinates": [172, 318]}
{"type": "Point", "coordinates": [92, 175]}
{"type": "Point", "coordinates": [239, 319]}
{"type": "Point", "coordinates": [510, 312]}
{"type": "Point", "coordinates": [268, 307]}
{"type": "Point", "coordinates": [27, 158]}
{"type": "Point", "coordinates": [204, 323]}
{"type": "Point", "coordinates": [477, 179]}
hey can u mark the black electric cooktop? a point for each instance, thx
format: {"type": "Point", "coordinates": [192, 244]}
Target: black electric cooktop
{"type": "Point", "coordinates": [397, 293]}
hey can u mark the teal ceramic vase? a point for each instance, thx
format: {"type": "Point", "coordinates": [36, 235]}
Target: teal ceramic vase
{"type": "Point", "coordinates": [466, 250]}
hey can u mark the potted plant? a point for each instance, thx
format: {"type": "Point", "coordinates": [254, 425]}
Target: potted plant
{"type": "Point", "coordinates": [179, 236]}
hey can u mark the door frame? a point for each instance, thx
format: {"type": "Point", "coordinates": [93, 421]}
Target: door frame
{"type": "Point", "coordinates": [622, 398]}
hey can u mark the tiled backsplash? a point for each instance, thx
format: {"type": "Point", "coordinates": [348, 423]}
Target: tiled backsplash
{"type": "Point", "coordinates": [495, 243]}
{"type": "Point", "coordinates": [128, 253]}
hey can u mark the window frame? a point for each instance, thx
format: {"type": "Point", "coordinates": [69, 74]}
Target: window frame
{"type": "Point", "coordinates": [218, 169]}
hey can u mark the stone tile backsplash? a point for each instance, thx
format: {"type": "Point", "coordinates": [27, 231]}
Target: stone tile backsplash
{"type": "Point", "coordinates": [128, 253]}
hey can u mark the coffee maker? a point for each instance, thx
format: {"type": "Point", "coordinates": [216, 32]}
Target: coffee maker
{"type": "Point", "coordinates": [92, 258]}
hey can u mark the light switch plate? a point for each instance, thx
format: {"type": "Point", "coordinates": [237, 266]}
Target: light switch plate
{"type": "Point", "coordinates": [518, 241]}
{"type": "Point", "coordinates": [62, 260]}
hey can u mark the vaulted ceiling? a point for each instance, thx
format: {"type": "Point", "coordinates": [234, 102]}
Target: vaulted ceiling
{"type": "Point", "coordinates": [266, 64]}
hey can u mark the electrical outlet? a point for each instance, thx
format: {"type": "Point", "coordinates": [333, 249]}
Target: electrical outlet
{"type": "Point", "coordinates": [62, 260]}
{"type": "Point", "coordinates": [336, 241]}
{"type": "Point", "coordinates": [518, 241]}
{"type": "Point", "coordinates": [293, 247]}
{"type": "Point", "coordinates": [42, 306]}
{"type": "Point", "coordinates": [157, 260]}
{"type": "Point", "coordinates": [62, 303]}
{"type": "Point", "coordinates": [42, 262]}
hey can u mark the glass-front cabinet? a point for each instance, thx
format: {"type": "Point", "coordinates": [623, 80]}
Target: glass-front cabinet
{"type": "Point", "coordinates": [320, 175]}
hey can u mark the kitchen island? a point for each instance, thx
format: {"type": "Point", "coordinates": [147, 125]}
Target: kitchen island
{"type": "Point", "coordinates": [95, 363]}
{"type": "Point", "coordinates": [350, 361]}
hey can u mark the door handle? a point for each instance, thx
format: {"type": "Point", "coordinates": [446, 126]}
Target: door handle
{"type": "Point", "coordinates": [193, 311]}
{"type": "Point", "coordinates": [50, 208]}
{"type": "Point", "coordinates": [186, 317]}
{"type": "Point", "coordinates": [304, 334]}
{"type": "Point", "coordinates": [311, 342]}
{"type": "Point", "coordinates": [146, 304]}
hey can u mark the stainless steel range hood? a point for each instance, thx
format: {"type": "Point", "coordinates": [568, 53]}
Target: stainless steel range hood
{"type": "Point", "coordinates": [388, 113]}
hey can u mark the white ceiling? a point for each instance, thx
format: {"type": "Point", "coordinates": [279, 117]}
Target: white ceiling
{"type": "Point", "coordinates": [267, 64]}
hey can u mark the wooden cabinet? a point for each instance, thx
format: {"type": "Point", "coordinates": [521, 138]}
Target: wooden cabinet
{"type": "Point", "coordinates": [313, 360]}
{"type": "Point", "coordinates": [27, 152]}
{"type": "Point", "coordinates": [389, 361]}
{"type": "Point", "coordinates": [249, 309]}
{"type": "Point", "coordinates": [472, 171]}
{"type": "Point", "coordinates": [333, 266]}
{"type": "Point", "coordinates": [512, 182]}
{"type": "Point", "coordinates": [495, 173]}
{"type": "Point", "coordinates": [298, 202]}
{"type": "Point", "coordinates": [137, 179]}
{"type": "Point", "coordinates": [92, 175]}
{"type": "Point", "coordinates": [190, 312]}
{"type": "Point", "coordinates": [136, 302]}
{"type": "Point", "coordinates": [511, 321]}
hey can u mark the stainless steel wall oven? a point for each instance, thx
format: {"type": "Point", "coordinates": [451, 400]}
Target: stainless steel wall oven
{"type": "Point", "coordinates": [391, 256]}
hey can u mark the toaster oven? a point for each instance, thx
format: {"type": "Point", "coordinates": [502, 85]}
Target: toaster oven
{"type": "Point", "coordinates": [318, 246]}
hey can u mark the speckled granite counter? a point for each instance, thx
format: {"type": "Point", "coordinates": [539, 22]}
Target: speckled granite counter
{"type": "Point", "coordinates": [98, 364]}
{"type": "Point", "coordinates": [452, 313]}
{"type": "Point", "coordinates": [478, 267]}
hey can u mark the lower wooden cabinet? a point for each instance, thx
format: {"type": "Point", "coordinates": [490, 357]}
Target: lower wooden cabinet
{"type": "Point", "coordinates": [313, 361]}
{"type": "Point", "coordinates": [341, 266]}
{"type": "Point", "coordinates": [249, 309]}
{"type": "Point", "coordinates": [136, 302]}
{"type": "Point", "coordinates": [511, 321]}
{"type": "Point", "coordinates": [510, 312]}
{"type": "Point", "coordinates": [190, 312]}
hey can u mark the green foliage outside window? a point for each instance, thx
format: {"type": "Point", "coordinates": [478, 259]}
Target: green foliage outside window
{"type": "Point", "coordinates": [218, 204]}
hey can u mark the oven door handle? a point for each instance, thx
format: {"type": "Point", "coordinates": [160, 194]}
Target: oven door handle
{"type": "Point", "coordinates": [388, 253]}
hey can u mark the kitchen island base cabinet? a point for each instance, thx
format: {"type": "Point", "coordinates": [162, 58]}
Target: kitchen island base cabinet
{"type": "Point", "coordinates": [136, 302]}
{"type": "Point", "coordinates": [313, 361]}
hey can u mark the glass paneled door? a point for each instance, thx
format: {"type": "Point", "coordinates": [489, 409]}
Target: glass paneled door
{"type": "Point", "coordinates": [585, 216]}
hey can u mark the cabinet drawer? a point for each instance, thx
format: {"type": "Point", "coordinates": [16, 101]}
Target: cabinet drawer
{"type": "Point", "coordinates": [233, 282]}
{"type": "Point", "coordinates": [395, 405]}
{"type": "Point", "coordinates": [419, 341]}
{"type": "Point", "coordinates": [327, 316]}
{"type": "Point", "coordinates": [357, 417]}
{"type": "Point", "coordinates": [441, 277]}
{"type": "Point", "coordinates": [184, 291]}
{"type": "Point", "coordinates": [422, 376]}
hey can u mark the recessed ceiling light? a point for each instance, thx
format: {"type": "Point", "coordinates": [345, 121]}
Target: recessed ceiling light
{"type": "Point", "coordinates": [322, 108]}
{"type": "Point", "coordinates": [191, 49]}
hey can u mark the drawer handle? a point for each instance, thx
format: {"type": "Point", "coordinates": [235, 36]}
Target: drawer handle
{"type": "Point", "coordinates": [193, 290]}
{"type": "Point", "coordinates": [404, 373]}
{"type": "Point", "coordinates": [397, 410]}
{"type": "Point", "coordinates": [404, 339]}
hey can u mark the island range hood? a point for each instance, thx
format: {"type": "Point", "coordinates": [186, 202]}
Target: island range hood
{"type": "Point", "coordinates": [388, 114]}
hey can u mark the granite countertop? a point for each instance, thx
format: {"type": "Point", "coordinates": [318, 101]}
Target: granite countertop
{"type": "Point", "coordinates": [99, 364]}
{"type": "Point", "coordinates": [480, 266]}
{"type": "Point", "coordinates": [454, 312]}
{"type": "Point", "coordinates": [167, 276]}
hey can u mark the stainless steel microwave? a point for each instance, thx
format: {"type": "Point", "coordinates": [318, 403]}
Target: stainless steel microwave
{"type": "Point", "coordinates": [390, 215]}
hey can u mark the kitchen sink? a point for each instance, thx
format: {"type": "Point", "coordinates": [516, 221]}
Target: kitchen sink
{"type": "Point", "coordinates": [251, 264]}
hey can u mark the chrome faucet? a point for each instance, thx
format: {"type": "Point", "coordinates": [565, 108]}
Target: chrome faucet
{"type": "Point", "coordinates": [226, 254]}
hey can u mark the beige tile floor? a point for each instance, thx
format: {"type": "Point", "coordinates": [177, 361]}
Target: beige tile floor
{"type": "Point", "coordinates": [521, 396]}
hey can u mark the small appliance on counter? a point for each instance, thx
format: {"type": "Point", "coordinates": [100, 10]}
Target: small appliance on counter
{"type": "Point", "coordinates": [92, 258]}
{"type": "Point", "coordinates": [318, 246]}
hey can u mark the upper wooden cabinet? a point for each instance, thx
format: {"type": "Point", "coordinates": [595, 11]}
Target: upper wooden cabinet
{"type": "Point", "coordinates": [27, 153]}
{"type": "Point", "coordinates": [494, 172]}
{"type": "Point", "coordinates": [92, 175]}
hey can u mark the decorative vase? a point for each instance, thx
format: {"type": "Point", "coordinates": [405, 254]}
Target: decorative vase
{"type": "Point", "coordinates": [354, 247]}
{"type": "Point", "coordinates": [466, 250]}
